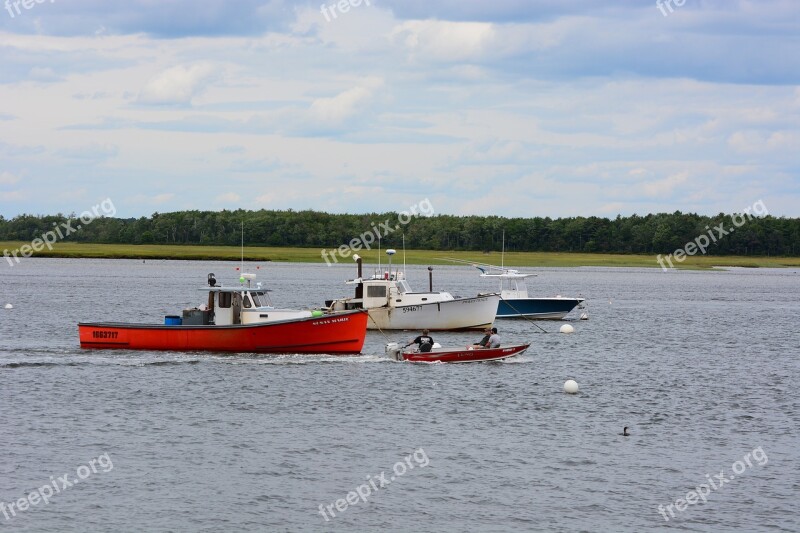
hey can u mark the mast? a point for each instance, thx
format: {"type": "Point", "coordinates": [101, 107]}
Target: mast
{"type": "Point", "coordinates": [404, 254]}
{"type": "Point", "coordinates": [503, 252]}
{"type": "Point", "coordinates": [502, 261]}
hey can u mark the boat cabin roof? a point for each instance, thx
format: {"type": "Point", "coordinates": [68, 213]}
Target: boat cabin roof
{"type": "Point", "coordinates": [235, 289]}
{"type": "Point", "coordinates": [508, 274]}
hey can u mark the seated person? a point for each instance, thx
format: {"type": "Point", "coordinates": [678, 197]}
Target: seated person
{"type": "Point", "coordinates": [482, 343]}
{"type": "Point", "coordinates": [424, 341]}
{"type": "Point", "coordinates": [494, 340]}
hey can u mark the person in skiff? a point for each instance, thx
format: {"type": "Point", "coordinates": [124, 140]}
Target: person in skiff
{"type": "Point", "coordinates": [424, 341]}
{"type": "Point", "coordinates": [494, 340]}
{"type": "Point", "coordinates": [487, 333]}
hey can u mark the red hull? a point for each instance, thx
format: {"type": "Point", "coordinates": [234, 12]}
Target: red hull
{"type": "Point", "coordinates": [340, 333]}
{"type": "Point", "coordinates": [445, 355]}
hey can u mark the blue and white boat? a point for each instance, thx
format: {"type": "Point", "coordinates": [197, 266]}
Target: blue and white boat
{"type": "Point", "coordinates": [514, 299]}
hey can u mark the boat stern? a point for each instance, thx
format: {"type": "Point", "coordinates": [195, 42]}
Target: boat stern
{"type": "Point", "coordinates": [394, 351]}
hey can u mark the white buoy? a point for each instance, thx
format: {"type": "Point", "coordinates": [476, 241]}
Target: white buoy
{"type": "Point", "coordinates": [570, 386]}
{"type": "Point", "coordinates": [9, 306]}
{"type": "Point", "coordinates": [585, 316]}
{"type": "Point", "coordinates": [566, 328]}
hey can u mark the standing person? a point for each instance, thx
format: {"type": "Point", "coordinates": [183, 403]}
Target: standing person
{"type": "Point", "coordinates": [424, 341]}
{"type": "Point", "coordinates": [494, 340]}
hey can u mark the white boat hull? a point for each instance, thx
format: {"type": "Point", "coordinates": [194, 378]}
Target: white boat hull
{"type": "Point", "coordinates": [460, 313]}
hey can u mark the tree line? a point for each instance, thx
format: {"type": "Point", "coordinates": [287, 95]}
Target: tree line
{"type": "Point", "coordinates": [649, 234]}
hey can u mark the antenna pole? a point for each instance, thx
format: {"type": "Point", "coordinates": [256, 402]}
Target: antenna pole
{"type": "Point", "coordinates": [404, 253]}
{"type": "Point", "coordinates": [503, 253]}
{"type": "Point", "coordinates": [242, 267]}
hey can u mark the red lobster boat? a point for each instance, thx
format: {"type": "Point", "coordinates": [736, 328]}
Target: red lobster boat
{"type": "Point", "coordinates": [455, 355]}
{"type": "Point", "coordinates": [236, 319]}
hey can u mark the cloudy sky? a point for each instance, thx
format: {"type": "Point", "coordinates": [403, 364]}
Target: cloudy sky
{"type": "Point", "coordinates": [503, 107]}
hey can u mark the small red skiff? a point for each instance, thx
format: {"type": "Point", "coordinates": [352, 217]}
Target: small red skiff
{"type": "Point", "coordinates": [455, 355]}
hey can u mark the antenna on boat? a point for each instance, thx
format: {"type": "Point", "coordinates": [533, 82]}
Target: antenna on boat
{"type": "Point", "coordinates": [404, 254]}
{"type": "Point", "coordinates": [390, 252]}
{"type": "Point", "coordinates": [380, 270]}
{"type": "Point", "coordinates": [503, 252]}
{"type": "Point", "coordinates": [242, 263]}
{"type": "Point", "coordinates": [503, 260]}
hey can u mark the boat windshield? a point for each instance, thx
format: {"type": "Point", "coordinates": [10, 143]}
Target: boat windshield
{"type": "Point", "coordinates": [403, 287]}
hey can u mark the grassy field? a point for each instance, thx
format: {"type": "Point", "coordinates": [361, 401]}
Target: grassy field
{"type": "Point", "coordinates": [428, 257]}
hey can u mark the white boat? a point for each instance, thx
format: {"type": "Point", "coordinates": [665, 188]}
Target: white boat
{"type": "Point", "coordinates": [515, 302]}
{"type": "Point", "coordinates": [514, 299]}
{"type": "Point", "coordinates": [393, 305]}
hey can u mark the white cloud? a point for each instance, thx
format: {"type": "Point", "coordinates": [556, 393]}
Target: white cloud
{"type": "Point", "coordinates": [445, 41]}
{"type": "Point", "coordinates": [7, 178]}
{"type": "Point", "coordinates": [93, 151]}
{"type": "Point", "coordinates": [760, 142]}
{"type": "Point", "coordinates": [143, 199]}
{"type": "Point", "coordinates": [11, 196]}
{"type": "Point", "coordinates": [346, 104]}
{"type": "Point", "coordinates": [228, 198]}
{"type": "Point", "coordinates": [177, 85]}
{"type": "Point", "coordinates": [43, 74]}
{"type": "Point", "coordinates": [666, 186]}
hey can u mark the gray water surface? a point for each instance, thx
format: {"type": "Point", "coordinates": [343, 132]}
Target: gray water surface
{"type": "Point", "coordinates": [703, 367]}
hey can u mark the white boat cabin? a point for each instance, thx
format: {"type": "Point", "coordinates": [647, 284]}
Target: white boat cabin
{"type": "Point", "coordinates": [245, 305]}
{"type": "Point", "coordinates": [385, 289]}
{"type": "Point", "coordinates": [389, 291]}
{"type": "Point", "coordinates": [512, 283]}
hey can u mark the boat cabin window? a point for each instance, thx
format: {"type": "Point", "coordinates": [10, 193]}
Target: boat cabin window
{"type": "Point", "coordinates": [376, 291]}
{"type": "Point", "coordinates": [402, 287]}
{"type": "Point", "coordinates": [256, 300]}
{"type": "Point", "coordinates": [246, 300]}
{"type": "Point", "coordinates": [225, 299]}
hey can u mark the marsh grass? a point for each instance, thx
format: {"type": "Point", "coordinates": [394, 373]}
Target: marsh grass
{"type": "Point", "coordinates": [417, 257]}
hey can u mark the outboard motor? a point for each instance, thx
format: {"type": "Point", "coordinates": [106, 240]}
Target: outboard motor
{"type": "Point", "coordinates": [393, 351]}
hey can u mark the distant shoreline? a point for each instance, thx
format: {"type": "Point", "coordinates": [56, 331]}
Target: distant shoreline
{"type": "Point", "coordinates": [414, 257]}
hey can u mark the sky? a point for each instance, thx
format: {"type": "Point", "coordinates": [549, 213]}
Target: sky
{"type": "Point", "coordinates": [515, 108]}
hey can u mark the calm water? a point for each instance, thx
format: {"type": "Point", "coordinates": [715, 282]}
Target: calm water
{"type": "Point", "coordinates": [702, 366]}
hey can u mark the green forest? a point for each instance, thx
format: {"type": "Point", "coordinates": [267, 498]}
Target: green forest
{"type": "Point", "coordinates": [650, 234]}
